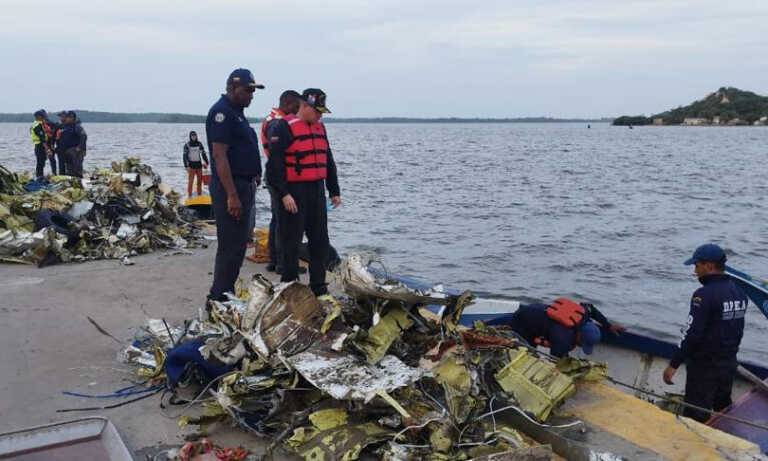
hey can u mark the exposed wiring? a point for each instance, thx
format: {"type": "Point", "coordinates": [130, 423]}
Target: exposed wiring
{"type": "Point", "coordinates": [198, 398]}
{"type": "Point", "coordinates": [394, 439]}
{"type": "Point", "coordinates": [513, 407]}
{"type": "Point", "coordinates": [124, 392]}
{"type": "Point", "coordinates": [109, 407]}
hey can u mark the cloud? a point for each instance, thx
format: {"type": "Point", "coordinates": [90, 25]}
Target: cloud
{"type": "Point", "coordinates": [383, 58]}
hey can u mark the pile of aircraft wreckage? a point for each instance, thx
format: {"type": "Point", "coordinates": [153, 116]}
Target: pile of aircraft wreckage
{"type": "Point", "coordinates": [108, 214]}
{"type": "Point", "coordinates": [367, 371]}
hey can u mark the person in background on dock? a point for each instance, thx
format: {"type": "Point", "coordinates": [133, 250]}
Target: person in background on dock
{"type": "Point", "coordinates": [60, 156]}
{"type": "Point", "coordinates": [289, 104]}
{"type": "Point", "coordinates": [50, 128]}
{"type": "Point", "coordinates": [42, 150]}
{"type": "Point", "coordinates": [72, 144]}
{"type": "Point", "coordinates": [300, 168]}
{"type": "Point", "coordinates": [195, 160]}
{"type": "Point", "coordinates": [560, 326]}
{"type": "Point", "coordinates": [236, 171]}
{"type": "Point", "coordinates": [711, 335]}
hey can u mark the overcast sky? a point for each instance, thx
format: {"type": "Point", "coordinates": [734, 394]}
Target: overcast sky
{"type": "Point", "coordinates": [463, 58]}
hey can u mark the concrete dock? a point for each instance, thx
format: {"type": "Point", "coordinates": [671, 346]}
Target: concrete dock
{"type": "Point", "coordinates": [48, 345]}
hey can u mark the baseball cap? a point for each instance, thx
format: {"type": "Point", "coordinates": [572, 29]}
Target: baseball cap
{"type": "Point", "coordinates": [590, 335]}
{"type": "Point", "coordinates": [39, 113]}
{"type": "Point", "coordinates": [707, 252]}
{"type": "Point", "coordinates": [61, 113]}
{"type": "Point", "coordinates": [243, 77]}
{"type": "Point", "coordinates": [71, 113]}
{"type": "Point", "coordinates": [315, 97]}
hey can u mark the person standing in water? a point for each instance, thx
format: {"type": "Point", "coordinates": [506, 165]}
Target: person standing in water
{"type": "Point", "coordinates": [194, 161]}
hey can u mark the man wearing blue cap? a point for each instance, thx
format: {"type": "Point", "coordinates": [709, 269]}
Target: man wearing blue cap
{"type": "Point", "coordinates": [541, 325]}
{"type": "Point", "coordinates": [711, 336]}
{"type": "Point", "coordinates": [236, 171]}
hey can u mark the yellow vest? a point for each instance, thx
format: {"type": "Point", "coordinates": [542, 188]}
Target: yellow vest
{"type": "Point", "coordinates": [35, 138]}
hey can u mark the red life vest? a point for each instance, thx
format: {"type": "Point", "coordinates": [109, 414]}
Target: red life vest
{"type": "Point", "coordinates": [307, 156]}
{"type": "Point", "coordinates": [48, 129]}
{"type": "Point", "coordinates": [275, 113]}
{"type": "Point", "coordinates": [566, 312]}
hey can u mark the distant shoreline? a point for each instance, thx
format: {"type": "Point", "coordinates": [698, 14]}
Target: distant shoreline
{"type": "Point", "coordinates": [117, 117]}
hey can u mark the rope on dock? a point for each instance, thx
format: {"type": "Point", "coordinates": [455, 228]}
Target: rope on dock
{"type": "Point", "coordinates": [689, 405]}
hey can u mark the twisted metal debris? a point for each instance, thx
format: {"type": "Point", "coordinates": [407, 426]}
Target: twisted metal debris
{"type": "Point", "coordinates": [109, 214]}
{"type": "Point", "coordinates": [370, 370]}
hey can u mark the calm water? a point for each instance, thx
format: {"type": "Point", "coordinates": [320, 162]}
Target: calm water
{"type": "Point", "coordinates": [527, 211]}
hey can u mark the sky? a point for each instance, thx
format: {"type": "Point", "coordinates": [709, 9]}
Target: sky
{"type": "Point", "coordinates": [511, 58]}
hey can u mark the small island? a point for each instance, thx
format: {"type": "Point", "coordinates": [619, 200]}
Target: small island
{"type": "Point", "coordinates": [724, 107]}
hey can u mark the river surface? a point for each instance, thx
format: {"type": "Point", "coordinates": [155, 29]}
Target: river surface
{"type": "Point", "coordinates": [524, 211]}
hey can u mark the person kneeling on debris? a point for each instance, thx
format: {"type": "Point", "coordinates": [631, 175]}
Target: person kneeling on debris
{"type": "Point", "coordinates": [561, 326]}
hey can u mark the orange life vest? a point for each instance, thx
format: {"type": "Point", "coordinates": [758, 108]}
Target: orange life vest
{"type": "Point", "coordinates": [275, 113]}
{"type": "Point", "coordinates": [307, 156]}
{"type": "Point", "coordinates": [566, 312]}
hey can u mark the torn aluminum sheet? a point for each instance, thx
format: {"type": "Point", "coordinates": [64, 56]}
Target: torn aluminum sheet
{"type": "Point", "coordinates": [342, 442]}
{"type": "Point", "coordinates": [126, 230]}
{"type": "Point", "coordinates": [228, 351]}
{"type": "Point", "coordinates": [134, 355]}
{"type": "Point", "coordinates": [345, 377]}
{"type": "Point", "coordinates": [80, 208]}
{"type": "Point", "coordinates": [31, 247]}
{"type": "Point", "coordinates": [130, 177]}
{"type": "Point", "coordinates": [536, 384]}
{"type": "Point", "coordinates": [380, 336]}
{"type": "Point", "coordinates": [456, 380]}
{"type": "Point", "coordinates": [162, 331]}
{"type": "Point", "coordinates": [289, 322]}
{"type": "Point", "coordinates": [130, 219]}
{"type": "Point", "coordinates": [259, 291]}
{"type": "Point", "coordinates": [357, 280]}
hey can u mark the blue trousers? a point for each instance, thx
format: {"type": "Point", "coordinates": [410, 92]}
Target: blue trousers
{"type": "Point", "coordinates": [232, 234]}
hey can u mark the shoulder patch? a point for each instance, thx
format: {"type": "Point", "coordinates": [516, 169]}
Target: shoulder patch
{"type": "Point", "coordinates": [219, 117]}
{"type": "Point", "coordinates": [696, 301]}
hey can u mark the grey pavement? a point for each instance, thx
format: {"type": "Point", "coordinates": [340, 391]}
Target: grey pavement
{"type": "Point", "coordinates": [48, 346]}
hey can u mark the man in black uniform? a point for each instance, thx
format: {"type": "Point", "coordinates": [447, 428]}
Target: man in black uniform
{"type": "Point", "coordinates": [711, 336]}
{"type": "Point", "coordinates": [71, 144]}
{"type": "Point", "coordinates": [300, 168]}
{"type": "Point", "coordinates": [236, 171]}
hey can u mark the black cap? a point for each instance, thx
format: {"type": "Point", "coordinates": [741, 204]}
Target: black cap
{"type": "Point", "coordinates": [61, 113]}
{"type": "Point", "coordinates": [315, 97]}
{"type": "Point", "coordinates": [243, 77]}
{"type": "Point", "coordinates": [40, 113]}
{"type": "Point", "coordinates": [71, 113]}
